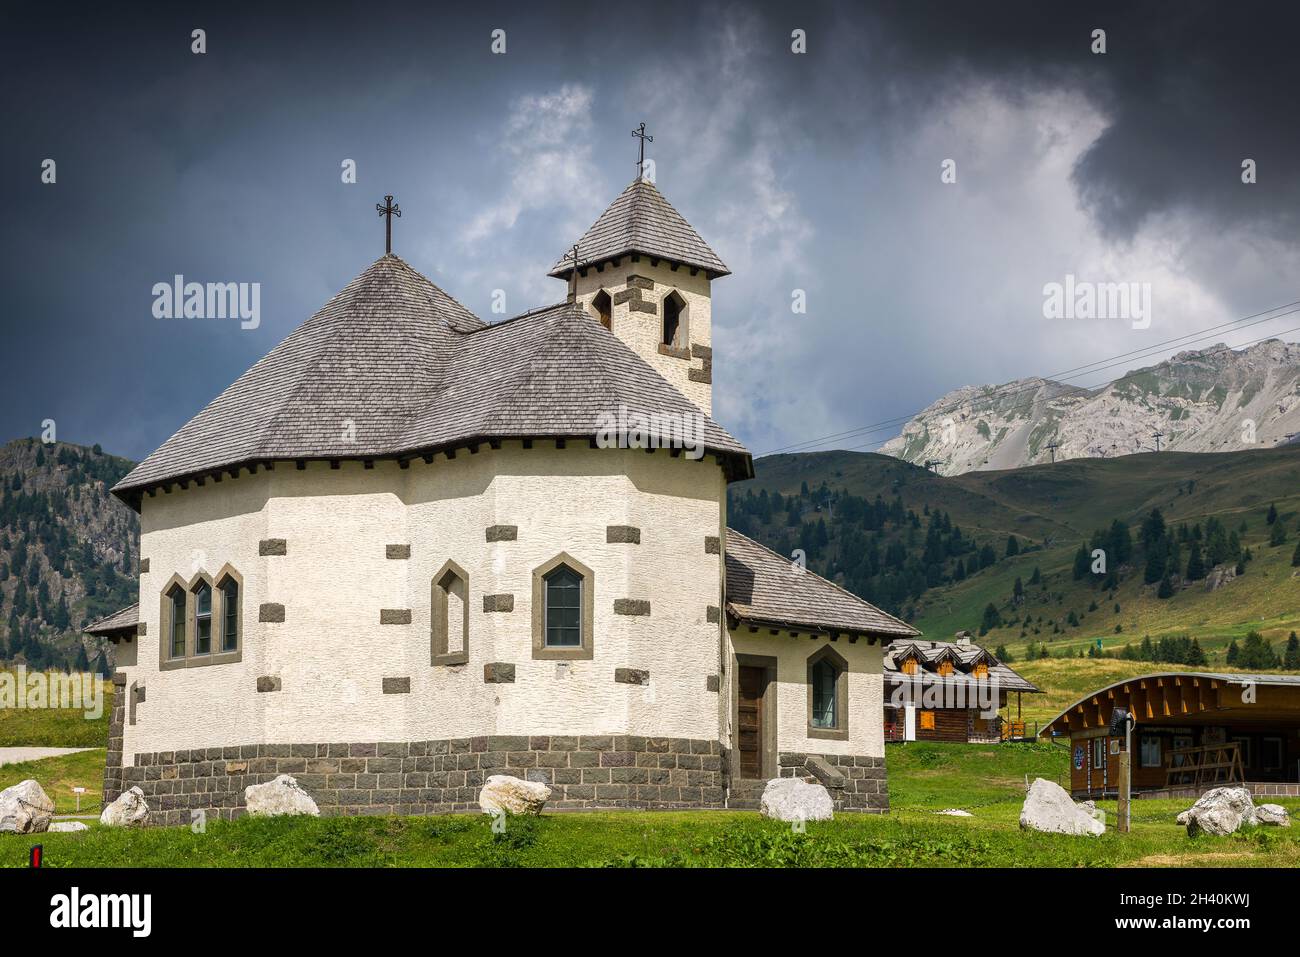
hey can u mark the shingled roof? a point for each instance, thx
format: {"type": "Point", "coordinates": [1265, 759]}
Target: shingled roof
{"type": "Point", "coordinates": [764, 588]}
{"type": "Point", "coordinates": [641, 221]}
{"type": "Point", "coordinates": [963, 654]}
{"type": "Point", "coordinates": [393, 367]}
{"type": "Point", "coordinates": [121, 622]}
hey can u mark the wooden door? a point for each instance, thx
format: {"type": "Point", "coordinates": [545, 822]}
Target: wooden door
{"type": "Point", "coordinates": [753, 682]}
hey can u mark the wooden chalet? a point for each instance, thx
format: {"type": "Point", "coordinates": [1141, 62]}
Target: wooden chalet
{"type": "Point", "coordinates": [936, 691]}
{"type": "Point", "coordinates": [1193, 731]}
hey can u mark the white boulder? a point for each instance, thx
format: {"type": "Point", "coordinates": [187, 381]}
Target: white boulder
{"type": "Point", "coordinates": [1274, 814]}
{"type": "Point", "coordinates": [68, 826]}
{"type": "Point", "coordinates": [794, 799]}
{"type": "Point", "coordinates": [1220, 811]}
{"type": "Point", "coordinates": [1050, 809]}
{"type": "Point", "coordinates": [503, 793]}
{"type": "Point", "coordinates": [25, 808]}
{"type": "Point", "coordinates": [279, 797]}
{"type": "Point", "coordinates": [129, 810]}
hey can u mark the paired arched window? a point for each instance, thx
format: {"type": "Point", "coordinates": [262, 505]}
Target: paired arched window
{"type": "Point", "coordinates": [200, 620]}
{"type": "Point", "coordinates": [828, 690]}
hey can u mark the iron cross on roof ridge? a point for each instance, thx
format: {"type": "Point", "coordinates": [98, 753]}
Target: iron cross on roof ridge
{"type": "Point", "coordinates": [388, 210]}
{"type": "Point", "coordinates": [644, 137]}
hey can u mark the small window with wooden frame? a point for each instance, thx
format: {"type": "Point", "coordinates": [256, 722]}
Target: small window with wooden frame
{"type": "Point", "coordinates": [828, 695]}
{"type": "Point", "coordinates": [908, 666]}
{"type": "Point", "coordinates": [925, 720]}
{"type": "Point", "coordinates": [449, 615]}
{"type": "Point", "coordinates": [980, 670]}
{"type": "Point", "coordinates": [945, 668]}
{"type": "Point", "coordinates": [564, 599]}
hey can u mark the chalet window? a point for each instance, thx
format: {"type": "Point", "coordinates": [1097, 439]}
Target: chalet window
{"type": "Point", "coordinates": [176, 622]}
{"type": "Point", "coordinates": [981, 670]}
{"type": "Point", "coordinates": [203, 619]}
{"type": "Point", "coordinates": [230, 609]}
{"type": "Point", "coordinates": [827, 693]}
{"type": "Point", "coordinates": [450, 615]}
{"type": "Point", "coordinates": [926, 722]}
{"type": "Point", "coordinates": [945, 668]}
{"type": "Point", "coordinates": [674, 314]}
{"type": "Point", "coordinates": [563, 609]}
{"type": "Point", "coordinates": [1098, 753]}
{"type": "Point", "coordinates": [1271, 754]}
{"type": "Point", "coordinates": [604, 308]}
{"type": "Point", "coordinates": [909, 666]}
{"type": "Point", "coordinates": [1150, 757]}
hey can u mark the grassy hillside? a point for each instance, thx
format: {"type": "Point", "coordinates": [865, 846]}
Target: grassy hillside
{"type": "Point", "coordinates": [56, 727]}
{"type": "Point", "coordinates": [1051, 510]}
{"type": "Point", "coordinates": [59, 775]}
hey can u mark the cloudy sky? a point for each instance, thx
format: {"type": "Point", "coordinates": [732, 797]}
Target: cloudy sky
{"type": "Point", "coordinates": [818, 171]}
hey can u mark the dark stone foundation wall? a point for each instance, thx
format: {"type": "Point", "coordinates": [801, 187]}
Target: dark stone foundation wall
{"type": "Point", "coordinates": [855, 782]}
{"type": "Point", "coordinates": [113, 761]}
{"type": "Point", "coordinates": [428, 777]}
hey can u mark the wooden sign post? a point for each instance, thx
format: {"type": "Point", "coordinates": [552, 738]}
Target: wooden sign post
{"type": "Point", "coordinates": [1125, 785]}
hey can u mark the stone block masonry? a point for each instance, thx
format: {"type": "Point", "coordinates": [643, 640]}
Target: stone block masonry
{"type": "Point", "coordinates": [865, 784]}
{"type": "Point", "coordinates": [429, 777]}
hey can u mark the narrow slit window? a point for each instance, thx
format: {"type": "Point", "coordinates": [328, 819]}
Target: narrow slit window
{"type": "Point", "coordinates": [674, 308]}
{"type": "Point", "coordinates": [229, 615]}
{"type": "Point", "coordinates": [604, 309]}
{"type": "Point", "coordinates": [203, 619]}
{"type": "Point", "coordinates": [176, 627]}
{"type": "Point", "coordinates": [824, 680]}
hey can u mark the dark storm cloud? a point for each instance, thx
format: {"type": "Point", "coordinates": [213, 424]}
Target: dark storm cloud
{"type": "Point", "coordinates": [226, 167]}
{"type": "Point", "coordinates": [1188, 90]}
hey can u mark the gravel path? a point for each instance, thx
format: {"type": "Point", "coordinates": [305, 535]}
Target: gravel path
{"type": "Point", "coordinates": [17, 755]}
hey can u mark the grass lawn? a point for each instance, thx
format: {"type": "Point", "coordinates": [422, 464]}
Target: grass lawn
{"type": "Point", "coordinates": [55, 727]}
{"type": "Point", "coordinates": [924, 778]}
{"type": "Point", "coordinates": [58, 776]}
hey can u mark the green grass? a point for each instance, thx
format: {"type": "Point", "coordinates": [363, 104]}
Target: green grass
{"type": "Point", "coordinates": [55, 727]}
{"type": "Point", "coordinates": [59, 775]}
{"type": "Point", "coordinates": [924, 778]}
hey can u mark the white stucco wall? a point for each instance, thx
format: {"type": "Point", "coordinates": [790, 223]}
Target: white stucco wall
{"type": "Point", "coordinates": [331, 653]}
{"type": "Point", "coordinates": [642, 330]}
{"type": "Point", "coordinates": [865, 690]}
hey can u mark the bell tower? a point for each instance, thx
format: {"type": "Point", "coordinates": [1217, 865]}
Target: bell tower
{"type": "Point", "coordinates": [644, 273]}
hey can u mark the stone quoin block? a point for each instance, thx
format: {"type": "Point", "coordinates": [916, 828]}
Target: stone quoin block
{"type": "Point", "coordinates": [498, 602]}
{"type": "Point", "coordinates": [712, 683]}
{"type": "Point", "coordinates": [712, 545]}
{"type": "Point", "coordinates": [631, 676]}
{"type": "Point", "coordinates": [394, 616]}
{"type": "Point", "coordinates": [713, 614]}
{"type": "Point", "coordinates": [631, 606]}
{"type": "Point", "coordinates": [498, 672]}
{"type": "Point", "coordinates": [142, 629]}
{"type": "Point", "coordinates": [702, 352]}
{"type": "Point", "coordinates": [622, 535]}
{"type": "Point", "coordinates": [270, 612]}
{"type": "Point", "coordinates": [397, 551]}
{"type": "Point", "coordinates": [144, 565]}
{"type": "Point", "coordinates": [502, 533]}
{"type": "Point", "coordinates": [268, 683]}
{"type": "Point", "coordinates": [397, 685]}
{"type": "Point", "coordinates": [700, 375]}
{"type": "Point", "coordinates": [273, 546]}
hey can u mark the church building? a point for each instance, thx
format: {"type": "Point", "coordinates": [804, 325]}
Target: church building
{"type": "Point", "coordinates": [409, 549]}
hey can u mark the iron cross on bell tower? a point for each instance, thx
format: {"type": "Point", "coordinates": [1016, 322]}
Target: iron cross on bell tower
{"type": "Point", "coordinates": [388, 210]}
{"type": "Point", "coordinates": [645, 138]}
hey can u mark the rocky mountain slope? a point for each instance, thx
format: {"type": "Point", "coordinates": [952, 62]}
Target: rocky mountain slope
{"type": "Point", "coordinates": [1210, 400]}
{"type": "Point", "coordinates": [68, 550]}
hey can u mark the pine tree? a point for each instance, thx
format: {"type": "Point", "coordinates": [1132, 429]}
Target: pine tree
{"type": "Point", "coordinates": [1166, 589]}
{"type": "Point", "coordinates": [1037, 577]}
{"type": "Point", "coordinates": [1233, 652]}
{"type": "Point", "coordinates": [1195, 564]}
{"type": "Point", "coordinates": [1291, 657]}
{"type": "Point", "coordinates": [1278, 535]}
{"type": "Point", "coordinates": [1013, 546]}
{"type": "Point", "coordinates": [1004, 656]}
{"type": "Point", "coordinates": [1195, 656]}
{"type": "Point", "coordinates": [1272, 514]}
{"type": "Point", "coordinates": [81, 663]}
{"type": "Point", "coordinates": [1295, 559]}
